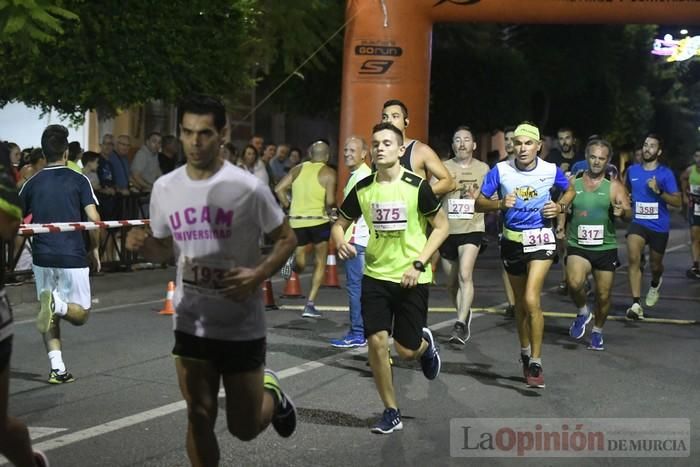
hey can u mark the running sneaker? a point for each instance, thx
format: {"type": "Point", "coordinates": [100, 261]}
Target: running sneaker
{"type": "Point", "coordinates": [596, 341]}
{"type": "Point", "coordinates": [43, 319]}
{"type": "Point", "coordinates": [390, 422]}
{"type": "Point", "coordinates": [510, 312]}
{"type": "Point", "coordinates": [349, 341]}
{"type": "Point", "coordinates": [310, 311]}
{"type": "Point", "coordinates": [635, 312]}
{"type": "Point", "coordinates": [284, 420]}
{"type": "Point", "coordinates": [578, 327]}
{"type": "Point", "coordinates": [525, 360]}
{"type": "Point", "coordinates": [430, 360]}
{"type": "Point", "coordinates": [535, 376]}
{"type": "Point", "coordinates": [460, 334]}
{"type": "Point", "coordinates": [287, 268]}
{"type": "Point", "coordinates": [653, 294]}
{"type": "Point", "coordinates": [59, 378]}
{"type": "Point", "coordinates": [40, 459]}
{"type": "Point", "coordinates": [693, 273]}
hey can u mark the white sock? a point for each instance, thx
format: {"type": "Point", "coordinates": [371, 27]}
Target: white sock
{"type": "Point", "coordinates": [57, 361]}
{"type": "Point", "coordinates": [525, 351]}
{"type": "Point", "coordinates": [598, 330]}
{"type": "Point", "coordinates": [60, 307]}
{"type": "Point", "coordinates": [536, 360]}
{"type": "Point", "coordinates": [584, 310]}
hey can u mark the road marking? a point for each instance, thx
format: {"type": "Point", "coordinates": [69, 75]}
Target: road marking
{"type": "Point", "coordinates": [125, 422]}
{"type": "Point", "coordinates": [36, 432]}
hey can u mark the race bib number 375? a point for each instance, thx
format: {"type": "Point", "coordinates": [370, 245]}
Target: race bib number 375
{"type": "Point", "coordinates": [389, 216]}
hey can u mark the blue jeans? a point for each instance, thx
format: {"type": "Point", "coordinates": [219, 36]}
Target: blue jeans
{"type": "Point", "coordinates": [354, 268]}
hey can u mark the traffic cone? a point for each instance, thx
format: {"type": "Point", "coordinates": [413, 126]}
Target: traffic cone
{"type": "Point", "coordinates": [330, 278]}
{"type": "Point", "coordinates": [269, 295]}
{"type": "Point", "coordinates": [168, 305]}
{"type": "Point", "coordinates": [292, 289]}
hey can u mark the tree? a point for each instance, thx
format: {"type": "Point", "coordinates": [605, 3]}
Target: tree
{"type": "Point", "coordinates": [23, 24]}
{"type": "Point", "coordinates": [121, 53]}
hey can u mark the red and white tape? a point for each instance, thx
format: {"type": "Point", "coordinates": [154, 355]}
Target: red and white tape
{"type": "Point", "coordinates": [33, 229]}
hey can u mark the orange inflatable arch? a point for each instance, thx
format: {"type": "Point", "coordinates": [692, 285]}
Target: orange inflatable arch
{"type": "Point", "coordinates": [388, 46]}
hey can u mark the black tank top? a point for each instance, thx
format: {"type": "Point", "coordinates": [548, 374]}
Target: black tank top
{"type": "Point", "coordinates": [406, 159]}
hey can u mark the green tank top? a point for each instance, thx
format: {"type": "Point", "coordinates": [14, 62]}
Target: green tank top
{"type": "Point", "coordinates": [592, 224]}
{"type": "Point", "coordinates": [694, 182]}
{"type": "Point", "coordinates": [308, 198]}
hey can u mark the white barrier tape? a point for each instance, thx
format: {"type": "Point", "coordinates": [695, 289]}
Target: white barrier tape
{"type": "Point", "coordinates": [33, 229]}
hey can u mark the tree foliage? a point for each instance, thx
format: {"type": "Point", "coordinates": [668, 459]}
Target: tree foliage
{"type": "Point", "coordinates": [25, 23]}
{"type": "Point", "coordinates": [122, 53]}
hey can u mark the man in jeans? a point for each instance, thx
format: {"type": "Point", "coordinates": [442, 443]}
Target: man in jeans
{"type": "Point", "coordinates": [357, 235]}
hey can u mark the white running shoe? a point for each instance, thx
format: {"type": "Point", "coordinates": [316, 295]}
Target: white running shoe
{"type": "Point", "coordinates": [653, 294]}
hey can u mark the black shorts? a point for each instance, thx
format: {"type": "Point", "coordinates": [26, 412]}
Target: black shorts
{"type": "Point", "coordinates": [5, 353]}
{"type": "Point", "coordinates": [657, 241]}
{"type": "Point", "coordinates": [226, 356]}
{"type": "Point", "coordinates": [602, 260]}
{"type": "Point", "coordinates": [450, 247]}
{"type": "Point", "coordinates": [403, 312]}
{"type": "Point", "coordinates": [515, 260]}
{"type": "Point", "coordinates": [693, 220]}
{"type": "Point", "coordinates": [316, 234]}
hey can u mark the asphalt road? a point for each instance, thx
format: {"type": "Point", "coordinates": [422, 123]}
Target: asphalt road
{"type": "Point", "coordinates": [125, 409]}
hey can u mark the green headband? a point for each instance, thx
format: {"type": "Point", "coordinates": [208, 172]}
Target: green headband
{"type": "Point", "coordinates": [525, 129]}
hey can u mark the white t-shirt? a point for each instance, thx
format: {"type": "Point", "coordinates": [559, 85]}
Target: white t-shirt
{"type": "Point", "coordinates": [216, 225]}
{"type": "Point", "coordinates": [358, 232]}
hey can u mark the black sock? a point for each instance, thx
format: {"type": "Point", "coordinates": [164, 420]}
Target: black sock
{"type": "Point", "coordinates": [635, 300]}
{"type": "Point", "coordinates": [654, 284]}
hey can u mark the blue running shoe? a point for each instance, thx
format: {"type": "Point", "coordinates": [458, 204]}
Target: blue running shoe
{"type": "Point", "coordinates": [390, 422]}
{"type": "Point", "coordinates": [310, 311]}
{"type": "Point", "coordinates": [430, 360]}
{"type": "Point", "coordinates": [596, 341]}
{"type": "Point", "coordinates": [578, 327]}
{"type": "Point", "coordinates": [284, 421]}
{"type": "Point", "coordinates": [348, 342]}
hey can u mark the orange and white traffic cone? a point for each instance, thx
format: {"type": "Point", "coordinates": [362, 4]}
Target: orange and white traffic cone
{"type": "Point", "coordinates": [269, 296]}
{"type": "Point", "coordinates": [292, 289]}
{"type": "Point", "coordinates": [330, 277]}
{"type": "Point", "coordinates": [168, 305]}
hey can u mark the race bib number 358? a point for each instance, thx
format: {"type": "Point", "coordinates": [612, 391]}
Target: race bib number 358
{"type": "Point", "coordinates": [389, 216]}
{"type": "Point", "coordinates": [646, 210]}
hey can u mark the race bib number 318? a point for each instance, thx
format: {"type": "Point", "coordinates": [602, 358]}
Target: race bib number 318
{"type": "Point", "coordinates": [538, 239]}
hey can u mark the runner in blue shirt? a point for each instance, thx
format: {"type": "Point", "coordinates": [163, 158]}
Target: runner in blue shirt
{"type": "Point", "coordinates": [653, 187]}
{"type": "Point", "coordinates": [528, 245]}
{"type": "Point", "coordinates": [60, 264]}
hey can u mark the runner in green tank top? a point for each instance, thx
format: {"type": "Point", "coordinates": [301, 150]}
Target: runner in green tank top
{"type": "Point", "coordinates": [591, 239]}
{"type": "Point", "coordinates": [690, 188]}
{"type": "Point", "coordinates": [397, 205]}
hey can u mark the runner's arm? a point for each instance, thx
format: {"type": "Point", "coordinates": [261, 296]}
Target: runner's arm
{"type": "Point", "coordinates": [156, 250]}
{"type": "Point", "coordinates": [434, 166]}
{"type": "Point", "coordinates": [284, 243]}
{"type": "Point", "coordinates": [284, 185]}
{"type": "Point", "coordinates": [441, 229]}
{"type": "Point", "coordinates": [621, 200]}
{"type": "Point", "coordinates": [685, 185]}
{"type": "Point", "coordinates": [329, 183]}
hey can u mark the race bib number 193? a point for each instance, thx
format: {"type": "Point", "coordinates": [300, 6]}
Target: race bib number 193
{"type": "Point", "coordinates": [203, 276]}
{"type": "Point", "coordinates": [389, 216]}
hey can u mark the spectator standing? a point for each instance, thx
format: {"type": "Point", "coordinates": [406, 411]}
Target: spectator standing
{"type": "Point", "coordinates": [145, 168]}
{"type": "Point", "coordinates": [167, 157]}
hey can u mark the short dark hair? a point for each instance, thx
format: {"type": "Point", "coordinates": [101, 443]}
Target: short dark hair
{"type": "Point", "coordinates": [153, 133]}
{"type": "Point", "coordinates": [391, 102]}
{"type": "Point", "coordinates": [565, 129]}
{"type": "Point", "coordinates": [388, 126]}
{"type": "Point", "coordinates": [89, 156]}
{"type": "Point", "coordinates": [463, 128]}
{"type": "Point", "coordinates": [54, 142]}
{"type": "Point", "coordinates": [168, 139]}
{"type": "Point", "coordinates": [73, 150]}
{"type": "Point", "coordinates": [509, 129]}
{"type": "Point", "coordinates": [657, 137]}
{"type": "Point", "coordinates": [200, 104]}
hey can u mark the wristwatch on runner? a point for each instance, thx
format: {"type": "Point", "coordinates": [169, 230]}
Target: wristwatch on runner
{"type": "Point", "coordinates": [419, 266]}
